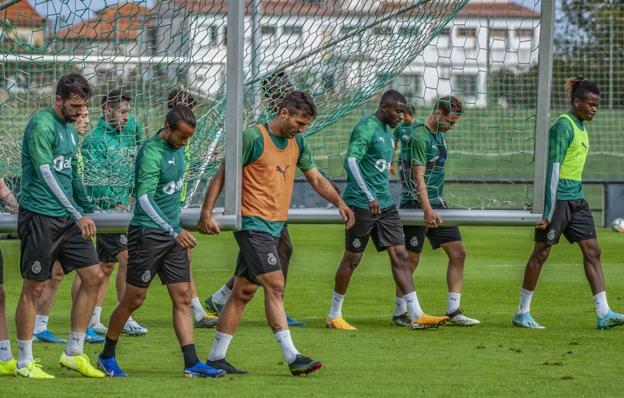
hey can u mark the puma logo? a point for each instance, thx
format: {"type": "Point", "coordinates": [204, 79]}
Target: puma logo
{"type": "Point", "coordinates": [283, 171]}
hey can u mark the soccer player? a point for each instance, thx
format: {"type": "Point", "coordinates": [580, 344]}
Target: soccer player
{"type": "Point", "coordinates": [423, 157]}
{"type": "Point", "coordinates": [271, 153]}
{"type": "Point", "coordinates": [157, 244]}
{"type": "Point", "coordinates": [48, 296]}
{"type": "Point", "coordinates": [367, 163]}
{"type": "Point", "coordinates": [108, 147]}
{"type": "Point", "coordinates": [202, 318]}
{"type": "Point", "coordinates": [565, 209]}
{"type": "Point", "coordinates": [274, 87]}
{"type": "Point", "coordinates": [8, 364]}
{"type": "Point", "coordinates": [51, 225]}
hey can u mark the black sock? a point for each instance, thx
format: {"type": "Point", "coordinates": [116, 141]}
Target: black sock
{"type": "Point", "coordinates": [190, 355]}
{"type": "Point", "coordinates": [109, 348]}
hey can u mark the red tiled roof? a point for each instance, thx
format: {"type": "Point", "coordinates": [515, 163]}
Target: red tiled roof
{"type": "Point", "coordinates": [22, 14]}
{"type": "Point", "coordinates": [119, 22]}
{"type": "Point", "coordinates": [330, 8]}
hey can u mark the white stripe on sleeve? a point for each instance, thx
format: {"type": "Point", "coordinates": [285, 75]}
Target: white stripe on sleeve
{"type": "Point", "coordinates": [554, 182]}
{"type": "Point", "coordinates": [153, 214]}
{"type": "Point", "coordinates": [355, 170]}
{"type": "Point", "coordinates": [56, 189]}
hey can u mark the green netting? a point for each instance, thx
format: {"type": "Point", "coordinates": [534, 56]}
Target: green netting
{"type": "Point", "coordinates": [341, 52]}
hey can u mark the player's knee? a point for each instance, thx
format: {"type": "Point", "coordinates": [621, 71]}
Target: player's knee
{"type": "Point", "coordinates": [34, 291]}
{"type": "Point", "coordinates": [593, 253]}
{"type": "Point", "coordinates": [458, 256]}
{"type": "Point", "coordinates": [136, 301]}
{"type": "Point", "coordinates": [93, 280]}
{"type": "Point", "coordinates": [107, 269]}
{"type": "Point", "coordinates": [351, 260]}
{"type": "Point", "coordinates": [57, 277]}
{"type": "Point", "coordinates": [275, 289]}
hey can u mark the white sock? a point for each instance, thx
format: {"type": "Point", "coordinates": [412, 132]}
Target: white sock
{"type": "Point", "coordinates": [413, 306]}
{"type": "Point", "coordinates": [24, 353]}
{"type": "Point", "coordinates": [336, 306]}
{"type": "Point", "coordinates": [219, 346]}
{"type": "Point", "coordinates": [600, 301]}
{"type": "Point", "coordinates": [41, 323]}
{"type": "Point", "coordinates": [453, 302]}
{"type": "Point", "coordinates": [288, 348]}
{"type": "Point", "coordinates": [5, 350]}
{"type": "Point", "coordinates": [222, 295]}
{"type": "Point", "coordinates": [75, 343]}
{"type": "Point", "coordinates": [198, 310]}
{"type": "Point", "coordinates": [130, 319]}
{"type": "Point", "coordinates": [401, 306]}
{"type": "Point", "coordinates": [95, 318]}
{"type": "Point", "coordinates": [525, 302]}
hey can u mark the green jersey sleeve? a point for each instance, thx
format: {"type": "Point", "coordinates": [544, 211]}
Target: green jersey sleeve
{"type": "Point", "coordinates": [148, 176]}
{"type": "Point", "coordinates": [359, 142]}
{"type": "Point", "coordinates": [306, 160]}
{"type": "Point", "coordinates": [560, 137]}
{"type": "Point", "coordinates": [418, 149]}
{"type": "Point", "coordinates": [252, 145]}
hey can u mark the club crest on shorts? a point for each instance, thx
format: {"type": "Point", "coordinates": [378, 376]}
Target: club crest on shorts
{"type": "Point", "coordinates": [356, 243]}
{"type": "Point", "coordinates": [36, 267]}
{"type": "Point", "coordinates": [414, 241]}
{"type": "Point", "coordinates": [551, 234]}
{"type": "Point", "coordinates": [272, 259]}
{"type": "Point", "coordinates": [147, 275]}
{"type": "Point", "coordinates": [123, 239]}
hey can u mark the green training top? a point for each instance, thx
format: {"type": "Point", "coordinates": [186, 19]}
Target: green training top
{"type": "Point", "coordinates": [367, 164]}
{"type": "Point", "coordinates": [253, 146]}
{"type": "Point", "coordinates": [424, 148]}
{"type": "Point", "coordinates": [105, 148]}
{"type": "Point", "coordinates": [568, 145]}
{"type": "Point", "coordinates": [51, 183]}
{"type": "Point", "coordinates": [159, 175]}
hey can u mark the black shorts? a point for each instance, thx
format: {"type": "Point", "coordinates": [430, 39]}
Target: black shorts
{"type": "Point", "coordinates": [153, 251]}
{"type": "Point", "coordinates": [415, 234]}
{"type": "Point", "coordinates": [572, 218]}
{"type": "Point", "coordinates": [45, 240]}
{"type": "Point", "coordinates": [385, 229]}
{"type": "Point", "coordinates": [258, 254]}
{"type": "Point", "coordinates": [110, 245]}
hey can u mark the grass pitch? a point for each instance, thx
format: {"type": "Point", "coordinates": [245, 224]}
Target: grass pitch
{"type": "Point", "coordinates": [569, 358]}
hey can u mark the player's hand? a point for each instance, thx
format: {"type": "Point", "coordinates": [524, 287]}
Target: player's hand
{"type": "Point", "coordinates": [186, 239]}
{"type": "Point", "coordinates": [347, 215]}
{"type": "Point", "coordinates": [542, 224]}
{"type": "Point", "coordinates": [208, 225]}
{"type": "Point", "coordinates": [119, 206]}
{"type": "Point", "coordinates": [432, 218]}
{"type": "Point", "coordinates": [87, 227]}
{"type": "Point", "coordinates": [373, 207]}
{"type": "Point", "coordinates": [391, 168]}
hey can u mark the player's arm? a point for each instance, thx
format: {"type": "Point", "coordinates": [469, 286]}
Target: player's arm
{"type": "Point", "coordinates": [7, 197]}
{"type": "Point", "coordinates": [207, 224]}
{"type": "Point", "coordinates": [40, 146]}
{"type": "Point", "coordinates": [418, 148]}
{"type": "Point", "coordinates": [560, 138]}
{"type": "Point", "coordinates": [252, 149]}
{"type": "Point", "coordinates": [360, 140]}
{"type": "Point", "coordinates": [148, 175]}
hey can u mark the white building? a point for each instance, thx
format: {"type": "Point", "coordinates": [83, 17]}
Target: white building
{"type": "Point", "coordinates": [483, 37]}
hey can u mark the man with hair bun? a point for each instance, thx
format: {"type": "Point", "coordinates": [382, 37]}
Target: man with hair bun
{"type": "Point", "coordinates": [565, 209]}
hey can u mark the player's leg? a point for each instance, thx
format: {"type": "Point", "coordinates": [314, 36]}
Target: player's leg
{"type": "Point", "coordinates": [180, 293]}
{"type": "Point", "coordinates": [456, 254]}
{"type": "Point", "coordinates": [201, 317]}
{"type": "Point", "coordinates": [44, 307]}
{"type": "Point", "coordinates": [356, 239]}
{"type": "Point", "coordinates": [95, 323]}
{"type": "Point", "coordinates": [132, 327]}
{"type": "Point", "coordinates": [8, 365]}
{"type": "Point", "coordinates": [523, 317]}
{"type": "Point", "coordinates": [215, 303]}
{"type": "Point", "coordinates": [231, 314]}
{"type": "Point", "coordinates": [414, 238]}
{"type": "Point", "coordinates": [273, 285]}
{"type": "Point", "coordinates": [284, 252]}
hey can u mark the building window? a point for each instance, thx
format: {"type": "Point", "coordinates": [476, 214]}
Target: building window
{"type": "Point", "coordinates": [498, 38]}
{"type": "Point", "coordinates": [524, 34]}
{"type": "Point", "coordinates": [382, 30]}
{"type": "Point", "coordinates": [444, 39]}
{"type": "Point", "coordinates": [408, 30]}
{"type": "Point", "coordinates": [268, 35]}
{"type": "Point", "coordinates": [410, 84]}
{"type": "Point", "coordinates": [210, 36]}
{"type": "Point", "coordinates": [467, 33]}
{"type": "Point", "coordinates": [293, 35]}
{"type": "Point", "coordinates": [466, 85]}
